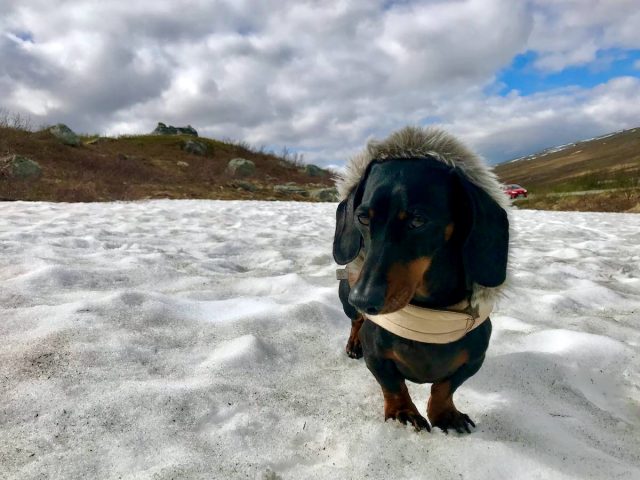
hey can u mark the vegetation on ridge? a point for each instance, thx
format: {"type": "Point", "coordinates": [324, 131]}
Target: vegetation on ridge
{"type": "Point", "coordinates": [135, 167]}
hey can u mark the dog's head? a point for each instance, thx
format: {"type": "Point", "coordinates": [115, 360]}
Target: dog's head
{"type": "Point", "coordinates": [423, 229]}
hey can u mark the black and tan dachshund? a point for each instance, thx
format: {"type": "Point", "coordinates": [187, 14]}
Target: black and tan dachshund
{"type": "Point", "coordinates": [426, 235]}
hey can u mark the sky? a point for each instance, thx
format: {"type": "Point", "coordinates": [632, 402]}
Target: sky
{"type": "Point", "coordinates": [324, 77]}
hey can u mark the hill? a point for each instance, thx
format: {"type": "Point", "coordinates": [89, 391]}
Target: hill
{"type": "Point", "coordinates": [598, 174]}
{"type": "Point", "coordinates": [150, 166]}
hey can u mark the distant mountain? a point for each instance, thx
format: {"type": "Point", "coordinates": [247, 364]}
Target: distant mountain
{"type": "Point", "coordinates": [597, 174]}
{"type": "Point", "coordinates": [604, 162]}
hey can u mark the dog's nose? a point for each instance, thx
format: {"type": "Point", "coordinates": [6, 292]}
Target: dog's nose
{"type": "Point", "coordinates": [368, 299]}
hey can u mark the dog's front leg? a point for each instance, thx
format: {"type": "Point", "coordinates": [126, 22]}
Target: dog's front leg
{"type": "Point", "coordinates": [354, 347]}
{"type": "Point", "coordinates": [397, 402]}
{"type": "Point", "coordinates": [440, 409]}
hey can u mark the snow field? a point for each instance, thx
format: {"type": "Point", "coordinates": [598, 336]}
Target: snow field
{"type": "Point", "coordinates": [205, 339]}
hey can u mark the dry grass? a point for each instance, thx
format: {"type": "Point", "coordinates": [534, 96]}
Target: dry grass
{"type": "Point", "coordinates": [625, 200]}
{"type": "Point", "coordinates": [15, 120]}
{"type": "Point", "coordinates": [140, 167]}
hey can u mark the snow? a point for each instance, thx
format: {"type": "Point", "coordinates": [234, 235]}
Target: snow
{"type": "Point", "coordinates": [205, 339]}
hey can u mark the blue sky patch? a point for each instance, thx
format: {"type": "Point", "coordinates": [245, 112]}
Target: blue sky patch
{"type": "Point", "coordinates": [24, 36]}
{"type": "Point", "coordinates": [522, 75]}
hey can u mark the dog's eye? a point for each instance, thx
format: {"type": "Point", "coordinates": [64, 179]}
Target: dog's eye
{"type": "Point", "coordinates": [416, 221]}
{"type": "Point", "coordinates": [363, 218]}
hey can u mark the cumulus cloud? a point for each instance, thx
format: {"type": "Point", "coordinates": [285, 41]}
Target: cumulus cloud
{"type": "Point", "coordinates": [515, 125]}
{"type": "Point", "coordinates": [571, 33]}
{"type": "Point", "coordinates": [319, 77]}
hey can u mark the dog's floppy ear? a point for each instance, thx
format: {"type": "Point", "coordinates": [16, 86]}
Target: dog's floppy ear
{"type": "Point", "coordinates": [347, 240]}
{"type": "Point", "coordinates": [486, 247]}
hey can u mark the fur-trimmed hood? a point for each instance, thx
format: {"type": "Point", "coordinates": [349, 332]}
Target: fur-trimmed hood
{"type": "Point", "coordinates": [412, 142]}
{"type": "Point", "coordinates": [420, 142]}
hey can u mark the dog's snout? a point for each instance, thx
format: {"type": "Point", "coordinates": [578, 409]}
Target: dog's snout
{"type": "Point", "coordinates": [368, 299]}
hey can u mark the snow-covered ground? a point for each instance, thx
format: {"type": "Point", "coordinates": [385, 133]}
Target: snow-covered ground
{"type": "Point", "coordinates": [204, 339]}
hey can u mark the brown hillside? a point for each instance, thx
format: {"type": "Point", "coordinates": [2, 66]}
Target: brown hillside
{"type": "Point", "coordinates": [147, 166]}
{"type": "Point", "coordinates": [590, 164]}
{"type": "Point", "coordinates": [600, 174]}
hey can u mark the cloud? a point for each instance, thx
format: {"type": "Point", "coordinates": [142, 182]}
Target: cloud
{"type": "Point", "coordinates": [571, 33]}
{"type": "Point", "coordinates": [318, 77]}
{"type": "Point", "coordinates": [513, 126]}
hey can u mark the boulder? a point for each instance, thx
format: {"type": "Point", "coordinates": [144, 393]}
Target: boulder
{"type": "Point", "coordinates": [324, 194]}
{"type": "Point", "coordinates": [291, 190]}
{"type": "Point", "coordinates": [314, 170]}
{"type": "Point", "coordinates": [242, 185]}
{"type": "Point", "coordinates": [182, 164]}
{"type": "Point", "coordinates": [241, 167]}
{"type": "Point", "coordinates": [65, 135]}
{"type": "Point", "coordinates": [163, 129]}
{"type": "Point", "coordinates": [19, 167]}
{"type": "Point", "coordinates": [194, 147]}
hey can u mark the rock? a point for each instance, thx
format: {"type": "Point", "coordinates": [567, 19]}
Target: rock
{"type": "Point", "coordinates": [195, 147]}
{"type": "Point", "coordinates": [65, 135]}
{"type": "Point", "coordinates": [324, 194]}
{"type": "Point", "coordinates": [248, 186]}
{"type": "Point", "coordinates": [182, 164]}
{"type": "Point", "coordinates": [163, 129]}
{"type": "Point", "coordinates": [241, 167]}
{"type": "Point", "coordinates": [291, 190]}
{"type": "Point", "coordinates": [19, 167]}
{"type": "Point", "coordinates": [314, 170]}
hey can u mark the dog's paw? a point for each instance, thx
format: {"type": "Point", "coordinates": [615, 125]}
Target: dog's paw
{"type": "Point", "coordinates": [354, 347]}
{"type": "Point", "coordinates": [411, 416]}
{"type": "Point", "coordinates": [453, 419]}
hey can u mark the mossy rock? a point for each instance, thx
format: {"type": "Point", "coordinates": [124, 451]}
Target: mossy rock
{"type": "Point", "coordinates": [65, 135]}
{"type": "Point", "coordinates": [19, 167]}
{"type": "Point", "coordinates": [314, 170]}
{"type": "Point", "coordinates": [242, 185]}
{"type": "Point", "coordinates": [196, 148]}
{"type": "Point", "coordinates": [324, 194]}
{"type": "Point", "coordinates": [291, 190]}
{"type": "Point", "coordinates": [241, 167]}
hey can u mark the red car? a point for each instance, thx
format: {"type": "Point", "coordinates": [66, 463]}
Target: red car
{"type": "Point", "coordinates": [514, 191]}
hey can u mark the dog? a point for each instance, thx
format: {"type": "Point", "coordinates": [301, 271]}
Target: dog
{"type": "Point", "coordinates": [424, 231]}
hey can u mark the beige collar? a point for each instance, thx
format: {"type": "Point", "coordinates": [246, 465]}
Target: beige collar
{"type": "Point", "coordinates": [426, 324]}
{"type": "Point", "coordinates": [433, 326]}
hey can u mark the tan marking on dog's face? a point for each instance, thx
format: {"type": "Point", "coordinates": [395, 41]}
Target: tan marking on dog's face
{"type": "Point", "coordinates": [448, 231]}
{"type": "Point", "coordinates": [371, 213]}
{"type": "Point", "coordinates": [403, 280]}
{"type": "Point", "coordinates": [354, 276]}
{"type": "Point", "coordinates": [423, 290]}
{"type": "Point", "coordinates": [402, 215]}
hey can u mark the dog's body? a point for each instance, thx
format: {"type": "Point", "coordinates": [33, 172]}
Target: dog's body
{"type": "Point", "coordinates": [417, 228]}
